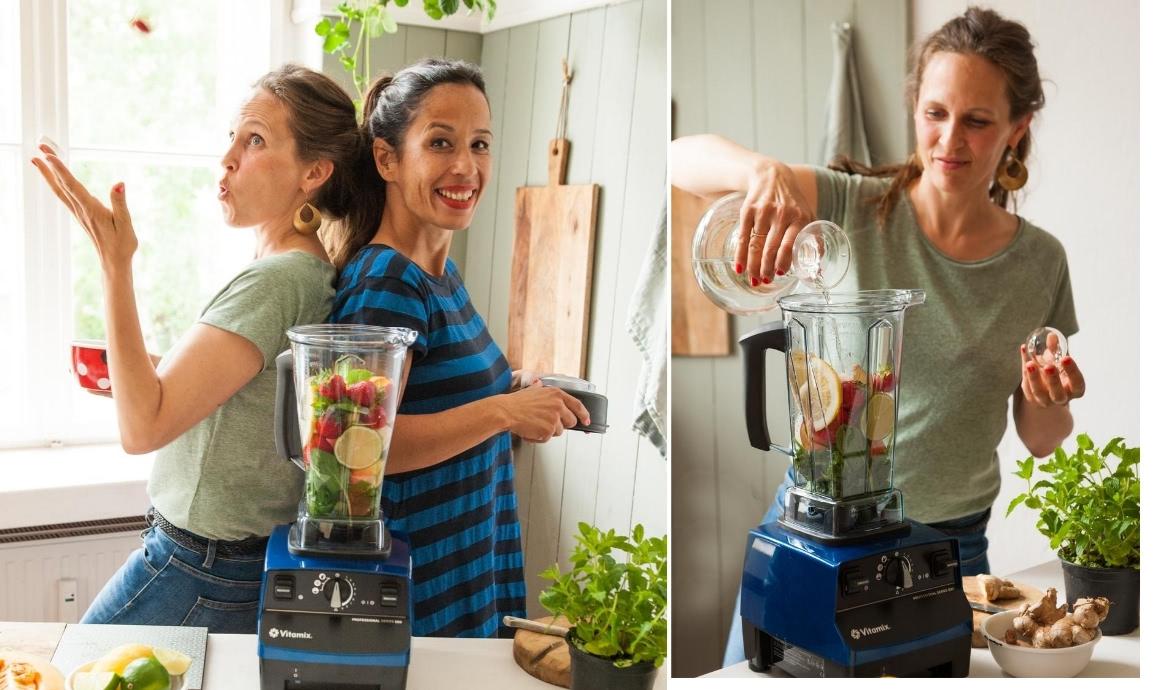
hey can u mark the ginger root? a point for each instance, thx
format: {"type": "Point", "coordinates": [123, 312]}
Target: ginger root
{"type": "Point", "coordinates": [996, 588]}
{"type": "Point", "coordinates": [1047, 626]}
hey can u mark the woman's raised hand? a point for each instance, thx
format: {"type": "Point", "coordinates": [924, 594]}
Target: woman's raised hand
{"type": "Point", "coordinates": [774, 211]}
{"type": "Point", "coordinates": [538, 413]}
{"type": "Point", "coordinates": [1048, 385]}
{"type": "Point", "coordinates": [111, 229]}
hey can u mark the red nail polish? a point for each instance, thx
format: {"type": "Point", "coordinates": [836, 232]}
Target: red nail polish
{"type": "Point", "coordinates": [780, 272]}
{"type": "Point", "coordinates": [1050, 370]}
{"type": "Point", "coordinates": [120, 188]}
{"type": "Point", "coordinates": [766, 279]}
{"type": "Point", "coordinates": [1068, 361]}
{"type": "Point", "coordinates": [753, 282]}
{"type": "Point", "coordinates": [1030, 366]}
{"type": "Point", "coordinates": [737, 267]}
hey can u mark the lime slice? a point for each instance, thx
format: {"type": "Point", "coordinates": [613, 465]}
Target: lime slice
{"type": "Point", "coordinates": [174, 661]}
{"type": "Point", "coordinates": [359, 447]}
{"type": "Point", "coordinates": [96, 680]}
{"type": "Point", "coordinates": [879, 416]}
{"type": "Point", "coordinates": [821, 394]}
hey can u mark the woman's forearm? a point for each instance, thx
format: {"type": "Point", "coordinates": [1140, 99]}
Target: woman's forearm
{"type": "Point", "coordinates": [423, 440]}
{"type": "Point", "coordinates": [136, 386]}
{"type": "Point", "coordinates": [1041, 429]}
{"type": "Point", "coordinates": [708, 164]}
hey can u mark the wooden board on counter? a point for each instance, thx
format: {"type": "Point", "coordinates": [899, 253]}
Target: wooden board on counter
{"type": "Point", "coordinates": [974, 592]}
{"type": "Point", "coordinates": [700, 328]}
{"type": "Point", "coordinates": [544, 656]}
{"type": "Point", "coordinates": [555, 235]}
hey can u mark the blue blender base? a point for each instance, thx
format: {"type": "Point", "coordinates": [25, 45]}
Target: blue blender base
{"type": "Point", "coordinates": [893, 606]}
{"type": "Point", "coordinates": [334, 623]}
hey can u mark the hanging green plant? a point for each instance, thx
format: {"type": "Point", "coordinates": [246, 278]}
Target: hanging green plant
{"type": "Point", "coordinates": [370, 19]}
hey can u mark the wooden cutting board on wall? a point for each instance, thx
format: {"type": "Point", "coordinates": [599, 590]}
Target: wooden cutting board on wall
{"type": "Point", "coordinates": [700, 328]}
{"type": "Point", "coordinates": [555, 235]}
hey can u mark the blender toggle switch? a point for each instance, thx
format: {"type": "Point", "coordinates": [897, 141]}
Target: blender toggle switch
{"type": "Point", "coordinates": [284, 587]}
{"type": "Point", "coordinates": [389, 596]}
{"type": "Point", "coordinates": [854, 582]}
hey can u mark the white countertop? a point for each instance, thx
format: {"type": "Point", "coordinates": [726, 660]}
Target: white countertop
{"type": "Point", "coordinates": [1115, 656]}
{"type": "Point", "coordinates": [437, 663]}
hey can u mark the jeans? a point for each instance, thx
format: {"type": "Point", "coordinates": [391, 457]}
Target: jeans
{"type": "Point", "coordinates": [166, 583]}
{"type": "Point", "coordinates": [970, 531]}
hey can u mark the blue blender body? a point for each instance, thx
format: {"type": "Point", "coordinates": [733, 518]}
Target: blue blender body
{"type": "Point", "coordinates": [842, 584]}
{"type": "Point", "coordinates": [335, 610]}
{"type": "Point", "coordinates": [332, 622]}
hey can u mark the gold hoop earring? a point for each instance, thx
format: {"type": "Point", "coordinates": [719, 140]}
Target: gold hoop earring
{"type": "Point", "coordinates": [307, 219]}
{"type": "Point", "coordinates": [1012, 174]}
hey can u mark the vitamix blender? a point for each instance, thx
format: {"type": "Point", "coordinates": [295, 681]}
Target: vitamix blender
{"type": "Point", "coordinates": [842, 584]}
{"type": "Point", "coordinates": [335, 607]}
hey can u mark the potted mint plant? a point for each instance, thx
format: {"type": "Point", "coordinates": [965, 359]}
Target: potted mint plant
{"type": "Point", "coordinates": [616, 597]}
{"type": "Point", "coordinates": [1089, 507]}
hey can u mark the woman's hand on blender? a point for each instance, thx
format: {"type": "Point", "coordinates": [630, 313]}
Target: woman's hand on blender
{"type": "Point", "coordinates": [1051, 384]}
{"type": "Point", "coordinates": [538, 413]}
{"type": "Point", "coordinates": [110, 228]}
{"type": "Point", "coordinates": [774, 211]}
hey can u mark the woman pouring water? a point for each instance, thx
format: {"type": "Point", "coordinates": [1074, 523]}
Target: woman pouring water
{"type": "Point", "coordinates": [942, 221]}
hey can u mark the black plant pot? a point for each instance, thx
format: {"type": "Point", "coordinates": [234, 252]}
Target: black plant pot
{"type": "Point", "coordinates": [591, 672]}
{"type": "Point", "coordinates": [1120, 585]}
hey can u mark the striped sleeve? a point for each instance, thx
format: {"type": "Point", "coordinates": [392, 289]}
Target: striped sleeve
{"type": "Point", "coordinates": [386, 300]}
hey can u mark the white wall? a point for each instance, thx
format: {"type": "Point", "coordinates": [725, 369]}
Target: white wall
{"type": "Point", "coordinates": [1084, 189]}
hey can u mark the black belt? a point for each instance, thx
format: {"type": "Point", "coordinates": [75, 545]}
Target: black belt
{"type": "Point", "coordinates": [251, 546]}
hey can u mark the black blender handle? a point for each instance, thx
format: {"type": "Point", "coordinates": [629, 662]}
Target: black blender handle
{"type": "Point", "coordinates": [287, 439]}
{"type": "Point", "coordinates": [767, 336]}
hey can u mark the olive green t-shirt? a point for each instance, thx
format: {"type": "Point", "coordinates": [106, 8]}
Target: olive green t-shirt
{"type": "Point", "coordinates": [222, 479]}
{"type": "Point", "coordinates": [960, 350]}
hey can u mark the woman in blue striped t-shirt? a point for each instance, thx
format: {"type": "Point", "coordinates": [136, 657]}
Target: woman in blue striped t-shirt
{"type": "Point", "coordinates": [450, 483]}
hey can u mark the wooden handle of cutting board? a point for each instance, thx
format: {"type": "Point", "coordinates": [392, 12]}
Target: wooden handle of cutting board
{"type": "Point", "coordinates": [557, 161]}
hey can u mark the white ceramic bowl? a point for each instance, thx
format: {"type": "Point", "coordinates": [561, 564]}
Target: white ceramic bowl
{"type": "Point", "coordinates": [1028, 662]}
{"type": "Point", "coordinates": [175, 682]}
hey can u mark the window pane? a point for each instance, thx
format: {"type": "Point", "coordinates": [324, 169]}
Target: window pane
{"type": "Point", "coordinates": [12, 391]}
{"type": "Point", "coordinates": [171, 88]}
{"type": "Point", "coordinates": [9, 71]}
{"type": "Point", "coordinates": [186, 252]}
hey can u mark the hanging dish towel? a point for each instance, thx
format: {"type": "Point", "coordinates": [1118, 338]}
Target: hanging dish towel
{"type": "Point", "coordinates": [845, 129]}
{"type": "Point", "coordinates": [648, 324]}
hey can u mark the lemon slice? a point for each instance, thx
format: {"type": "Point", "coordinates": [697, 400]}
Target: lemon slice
{"type": "Point", "coordinates": [118, 658]}
{"type": "Point", "coordinates": [821, 394]}
{"type": "Point", "coordinates": [96, 680]}
{"type": "Point", "coordinates": [359, 447]}
{"type": "Point", "coordinates": [879, 416]}
{"type": "Point", "coordinates": [797, 363]}
{"type": "Point", "coordinates": [174, 661]}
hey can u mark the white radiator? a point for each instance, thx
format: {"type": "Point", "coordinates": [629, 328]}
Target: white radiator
{"type": "Point", "coordinates": [51, 573]}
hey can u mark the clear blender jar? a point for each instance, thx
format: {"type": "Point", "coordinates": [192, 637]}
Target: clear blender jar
{"type": "Point", "coordinates": [338, 391]}
{"type": "Point", "coordinates": [843, 357]}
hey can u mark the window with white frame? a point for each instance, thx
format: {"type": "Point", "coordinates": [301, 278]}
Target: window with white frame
{"type": "Point", "coordinates": [139, 91]}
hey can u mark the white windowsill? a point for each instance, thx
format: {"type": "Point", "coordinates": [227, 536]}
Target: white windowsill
{"type": "Point", "coordinates": [41, 486]}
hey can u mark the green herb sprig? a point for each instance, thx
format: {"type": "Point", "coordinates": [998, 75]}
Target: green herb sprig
{"type": "Point", "coordinates": [373, 19]}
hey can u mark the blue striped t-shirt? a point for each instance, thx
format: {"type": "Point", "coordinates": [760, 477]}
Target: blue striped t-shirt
{"type": "Point", "coordinates": [460, 514]}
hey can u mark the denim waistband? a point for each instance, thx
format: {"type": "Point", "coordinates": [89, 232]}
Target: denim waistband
{"type": "Point", "coordinates": [249, 547]}
{"type": "Point", "coordinates": [974, 523]}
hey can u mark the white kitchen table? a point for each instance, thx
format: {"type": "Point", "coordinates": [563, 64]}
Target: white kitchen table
{"type": "Point", "coordinates": [1114, 656]}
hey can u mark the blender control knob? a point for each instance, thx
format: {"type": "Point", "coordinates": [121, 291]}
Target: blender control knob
{"type": "Point", "coordinates": [898, 572]}
{"type": "Point", "coordinates": [338, 592]}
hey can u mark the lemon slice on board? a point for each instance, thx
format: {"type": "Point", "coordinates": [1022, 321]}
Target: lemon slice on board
{"type": "Point", "coordinates": [359, 447]}
{"type": "Point", "coordinates": [174, 661]}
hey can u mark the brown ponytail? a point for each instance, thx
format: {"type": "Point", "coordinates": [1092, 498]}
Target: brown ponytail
{"type": "Point", "coordinates": [1005, 43]}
